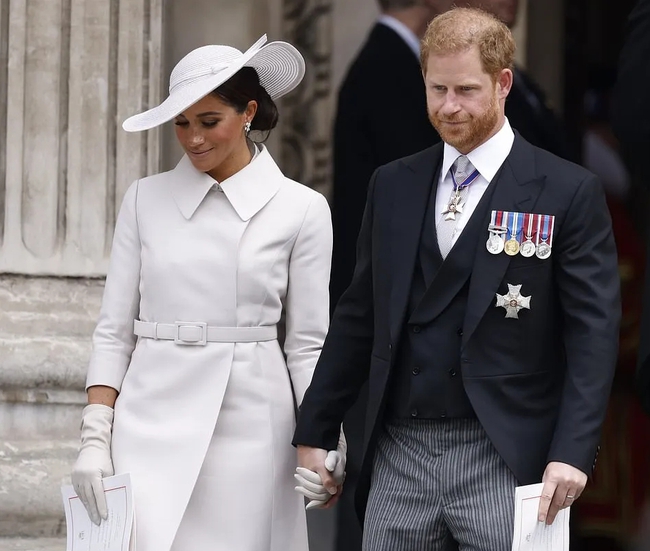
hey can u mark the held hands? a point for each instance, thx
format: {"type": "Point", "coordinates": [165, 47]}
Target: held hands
{"type": "Point", "coordinates": [94, 460]}
{"type": "Point", "coordinates": [563, 485]}
{"type": "Point", "coordinates": [321, 474]}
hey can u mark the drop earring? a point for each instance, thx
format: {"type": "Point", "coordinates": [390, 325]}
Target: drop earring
{"type": "Point", "coordinates": [247, 127]}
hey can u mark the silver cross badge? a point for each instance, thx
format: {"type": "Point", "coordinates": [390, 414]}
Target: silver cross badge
{"type": "Point", "coordinates": [513, 301]}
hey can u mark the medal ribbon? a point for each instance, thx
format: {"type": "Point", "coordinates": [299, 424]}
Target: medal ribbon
{"type": "Point", "coordinates": [550, 233]}
{"type": "Point", "coordinates": [539, 225]}
{"type": "Point", "coordinates": [499, 221]}
{"type": "Point", "coordinates": [466, 182]}
{"type": "Point", "coordinates": [529, 219]}
{"type": "Point", "coordinates": [519, 227]}
{"type": "Point", "coordinates": [547, 225]}
{"type": "Point", "coordinates": [511, 224]}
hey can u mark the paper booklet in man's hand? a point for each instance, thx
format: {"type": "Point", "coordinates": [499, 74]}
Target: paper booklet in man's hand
{"type": "Point", "coordinates": [532, 535]}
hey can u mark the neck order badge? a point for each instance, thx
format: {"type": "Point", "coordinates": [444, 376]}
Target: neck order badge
{"type": "Point", "coordinates": [461, 181]}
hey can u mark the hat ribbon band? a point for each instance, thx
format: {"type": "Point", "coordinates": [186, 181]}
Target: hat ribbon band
{"type": "Point", "coordinates": [218, 67]}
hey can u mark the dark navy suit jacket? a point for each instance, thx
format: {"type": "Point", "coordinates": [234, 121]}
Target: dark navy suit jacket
{"type": "Point", "coordinates": [539, 385]}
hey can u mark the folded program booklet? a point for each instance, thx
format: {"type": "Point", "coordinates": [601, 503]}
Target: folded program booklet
{"type": "Point", "coordinates": [532, 535]}
{"type": "Point", "coordinates": [114, 533]}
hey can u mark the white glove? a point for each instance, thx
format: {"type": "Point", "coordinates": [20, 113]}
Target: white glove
{"type": "Point", "coordinates": [94, 460]}
{"type": "Point", "coordinates": [310, 484]}
{"type": "Point", "coordinates": [336, 459]}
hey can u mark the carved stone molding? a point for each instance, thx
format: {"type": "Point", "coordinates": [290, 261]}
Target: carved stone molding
{"type": "Point", "coordinates": [307, 112]}
{"type": "Point", "coordinates": [74, 70]}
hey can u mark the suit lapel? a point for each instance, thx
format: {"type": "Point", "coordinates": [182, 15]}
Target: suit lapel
{"type": "Point", "coordinates": [456, 269]}
{"type": "Point", "coordinates": [416, 180]}
{"type": "Point", "coordinates": [517, 187]}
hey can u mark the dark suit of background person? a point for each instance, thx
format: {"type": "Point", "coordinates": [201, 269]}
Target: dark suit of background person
{"type": "Point", "coordinates": [539, 385]}
{"type": "Point", "coordinates": [529, 114]}
{"type": "Point", "coordinates": [631, 121]}
{"type": "Point", "coordinates": [381, 116]}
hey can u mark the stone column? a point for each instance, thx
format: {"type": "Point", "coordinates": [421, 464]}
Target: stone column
{"type": "Point", "coordinates": [75, 69]}
{"type": "Point", "coordinates": [70, 72]}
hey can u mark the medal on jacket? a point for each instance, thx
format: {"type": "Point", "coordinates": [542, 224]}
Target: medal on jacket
{"type": "Point", "coordinates": [511, 246]}
{"type": "Point", "coordinates": [513, 301]}
{"type": "Point", "coordinates": [456, 202]}
{"type": "Point", "coordinates": [545, 227]}
{"type": "Point", "coordinates": [495, 242]}
{"type": "Point", "coordinates": [528, 248]}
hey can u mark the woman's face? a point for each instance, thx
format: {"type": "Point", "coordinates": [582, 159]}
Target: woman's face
{"type": "Point", "coordinates": [213, 136]}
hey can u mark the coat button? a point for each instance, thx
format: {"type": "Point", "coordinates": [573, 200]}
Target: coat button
{"type": "Point", "coordinates": [414, 413]}
{"type": "Point", "coordinates": [452, 372]}
{"type": "Point", "coordinates": [459, 332]}
{"type": "Point", "coordinates": [443, 415]}
{"type": "Point", "coordinates": [416, 329]}
{"type": "Point", "coordinates": [416, 371]}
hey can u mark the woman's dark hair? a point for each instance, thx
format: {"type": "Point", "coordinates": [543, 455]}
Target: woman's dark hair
{"type": "Point", "coordinates": [243, 87]}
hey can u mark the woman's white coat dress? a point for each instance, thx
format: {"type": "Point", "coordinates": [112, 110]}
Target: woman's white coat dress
{"type": "Point", "coordinates": [205, 431]}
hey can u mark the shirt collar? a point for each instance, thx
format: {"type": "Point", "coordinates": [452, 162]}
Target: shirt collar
{"type": "Point", "coordinates": [407, 35]}
{"type": "Point", "coordinates": [487, 158]}
{"type": "Point", "coordinates": [248, 190]}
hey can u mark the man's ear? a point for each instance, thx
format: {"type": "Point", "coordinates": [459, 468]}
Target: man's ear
{"type": "Point", "coordinates": [504, 83]}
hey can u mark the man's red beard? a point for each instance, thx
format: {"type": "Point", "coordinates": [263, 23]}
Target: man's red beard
{"type": "Point", "coordinates": [471, 131]}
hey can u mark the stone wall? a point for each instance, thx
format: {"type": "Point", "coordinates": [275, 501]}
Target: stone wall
{"type": "Point", "coordinates": [70, 72]}
{"type": "Point", "coordinates": [45, 324]}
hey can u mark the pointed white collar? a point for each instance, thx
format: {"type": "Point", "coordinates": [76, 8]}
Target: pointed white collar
{"type": "Point", "coordinates": [248, 191]}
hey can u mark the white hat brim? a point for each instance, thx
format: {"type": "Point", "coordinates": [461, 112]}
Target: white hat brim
{"type": "Point", "coordinates": [279, 65]}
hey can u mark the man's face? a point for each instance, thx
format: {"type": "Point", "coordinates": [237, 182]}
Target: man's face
{"type": "Point", "coordinates": [465, 105]}
{"type": "Point", "coordinates": [505, 10]}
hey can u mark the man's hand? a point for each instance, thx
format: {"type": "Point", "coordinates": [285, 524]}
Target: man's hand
{"type": "Point", "coordinates": [314, 460]}
{"type": "Point", "coordinates": [563, 485]}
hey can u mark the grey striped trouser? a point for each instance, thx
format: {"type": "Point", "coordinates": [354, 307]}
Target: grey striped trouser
{"type": "Point", "coordinates": [439, 485]}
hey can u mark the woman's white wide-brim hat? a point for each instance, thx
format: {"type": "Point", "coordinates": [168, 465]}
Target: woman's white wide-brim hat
{"type": "Point", "coordinates": [279, 65]}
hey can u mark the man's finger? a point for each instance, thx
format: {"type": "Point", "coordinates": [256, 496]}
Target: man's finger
{"type": "Point", "coordinates": [328, 480]}
{"type": "Point", "coordinates": [570, 498]}
{"type": "Point", "coordinates": [545, 501]}
{"type": "Point", "coordinates": [556, 504]}
{"type": "Point", "coordinates": [331, 502]}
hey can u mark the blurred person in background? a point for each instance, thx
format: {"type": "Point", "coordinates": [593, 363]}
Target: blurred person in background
{"type": "Point", "coordinates": [527, 108]}
{"type": "Point", "coordinates": [381, 116]}
{"type": "Point", "coordinates": [631, 121]}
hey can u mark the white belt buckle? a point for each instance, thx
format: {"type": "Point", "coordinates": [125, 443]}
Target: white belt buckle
{"type": "Point", "coordinates": [202, 341]}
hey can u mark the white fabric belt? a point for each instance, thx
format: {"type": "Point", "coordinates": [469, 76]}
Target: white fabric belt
{"type": "Point", "coordinates": [194, 333]}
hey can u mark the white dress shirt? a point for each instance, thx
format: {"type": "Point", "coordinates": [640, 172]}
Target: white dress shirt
{"type": "Point", "coordinates": [487, 159]}
{"type": "Point", "coordinates": [407, 35]}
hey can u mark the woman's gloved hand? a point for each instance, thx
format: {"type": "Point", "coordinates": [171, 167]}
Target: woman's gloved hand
{"type": "Point", "coordinates": [94, 460]}
{"type": "Point", "coordinates": [310, 484]}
